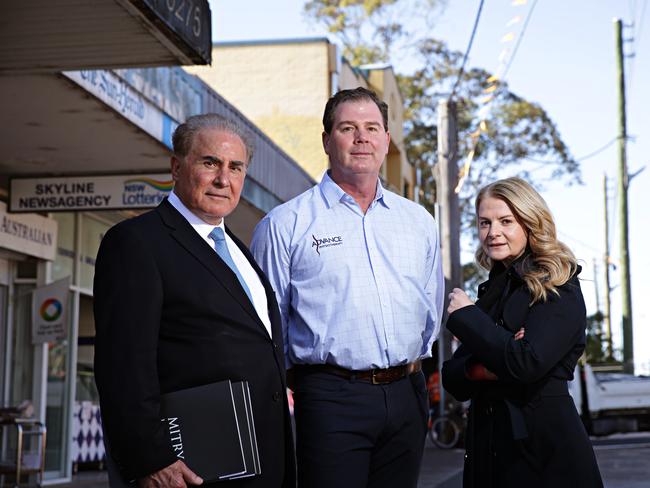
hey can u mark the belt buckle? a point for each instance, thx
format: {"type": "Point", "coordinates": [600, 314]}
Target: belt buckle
{"type": "Point", "coordinates": [373, 377]}
{"type": "Point", "coordinates": [382, 376]}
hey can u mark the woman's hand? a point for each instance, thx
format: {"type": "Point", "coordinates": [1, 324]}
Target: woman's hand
{"type": "Point", "coordinates": [478, 372]}
{"type": "Point", "coordinates": [458, 299]}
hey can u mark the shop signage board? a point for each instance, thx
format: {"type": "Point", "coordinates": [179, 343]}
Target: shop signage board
{"type": "Point", "coordinates": [33, 235]}
{"type": "Point", "coordinates": [128, 102]}
{"type": "Point", "coordinates": [88, 192]}
{"type": "Point", "coordinates": [190, 20]}
{"type": "Point", "coordinates": [50, 305]}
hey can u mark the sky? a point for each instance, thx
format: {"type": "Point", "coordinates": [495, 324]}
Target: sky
{"type": "Point", "coordinates": [565, 62]}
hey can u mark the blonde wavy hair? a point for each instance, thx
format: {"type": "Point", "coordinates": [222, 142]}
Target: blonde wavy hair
{"type": "Point", "coordinates": [550, 263]}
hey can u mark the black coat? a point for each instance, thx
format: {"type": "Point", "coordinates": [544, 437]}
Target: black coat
{"type": "Point", "coordinates": [170, 315]}
{"type": "Point", "coordinates": [523, 429]}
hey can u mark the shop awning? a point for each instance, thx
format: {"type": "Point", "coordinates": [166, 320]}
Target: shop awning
{"type": "Point", "coordinates": [50, 36]}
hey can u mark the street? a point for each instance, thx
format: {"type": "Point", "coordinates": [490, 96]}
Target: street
{"type": "Point", "coordinates": [624, 462]}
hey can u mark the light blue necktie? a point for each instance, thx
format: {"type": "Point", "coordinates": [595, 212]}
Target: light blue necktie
{"type": "Point", "coordinates": [221, 247]}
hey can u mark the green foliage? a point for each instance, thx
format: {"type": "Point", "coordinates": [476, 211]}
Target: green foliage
{"type": "Point", "coordinates": [473, 275]}
{"type": "Point", "coordinates": [596, 348]}
{"type": "Point", "coordinates": [398, 30]}
{"type": "Point", "coordinates": [367, 29]}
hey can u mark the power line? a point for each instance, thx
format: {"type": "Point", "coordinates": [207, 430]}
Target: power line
{"type": "Point", "coordinates": [583, 158]}
{"type": "Point", "coordinates": [591, 248]}
{"type": "Point", "coordinates": [519, 39]}
{"type": "Point", "coordinates": [469, 47]}
{"type": "Point", "coordinates": [597, 151]}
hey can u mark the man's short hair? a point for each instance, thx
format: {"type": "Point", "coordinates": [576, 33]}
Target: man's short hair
{"type": "Point", "coordinates": [358, 94]}
{"type": "Point", "coordinates": [184, 134]}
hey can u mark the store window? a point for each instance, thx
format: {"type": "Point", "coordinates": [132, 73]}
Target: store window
{"type": "Point", "coordinates": [63, 265]}
{"type": "Point", "coordinates": [22, 354]}
{"type": "Point", "coordinates": [92, 232]}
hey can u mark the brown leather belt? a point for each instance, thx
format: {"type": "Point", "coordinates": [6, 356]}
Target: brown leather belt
{"type": "Point", "coordinates": [375, 376]}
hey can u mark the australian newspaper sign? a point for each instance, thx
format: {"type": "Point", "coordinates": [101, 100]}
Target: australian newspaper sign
{"type": "Point", "coordinates": [30, 234]}
{"type": "Point", "coordinates": [88, 192]}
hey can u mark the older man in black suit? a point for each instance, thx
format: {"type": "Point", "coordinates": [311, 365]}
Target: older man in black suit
{"type": "Point", "coordinates": [181, 303]}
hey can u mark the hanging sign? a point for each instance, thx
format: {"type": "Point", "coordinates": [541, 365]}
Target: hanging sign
{"type": "Point", "coordinates": [30, 234]}
{"type": "Point", "coordinates": [88, 192]}
{"type": "Point", "coordinates": [50, 305]}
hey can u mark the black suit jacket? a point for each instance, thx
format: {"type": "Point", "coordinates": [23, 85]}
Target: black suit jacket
{"type": "Point", "coordinates": [169, 315]}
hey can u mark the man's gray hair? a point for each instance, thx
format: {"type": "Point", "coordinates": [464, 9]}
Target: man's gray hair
{"type": "Point", "coordinates": [185, 133]}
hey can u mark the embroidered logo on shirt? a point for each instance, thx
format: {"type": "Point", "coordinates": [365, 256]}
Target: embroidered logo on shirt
{"type": "Point", "coordinates": [326, 242]}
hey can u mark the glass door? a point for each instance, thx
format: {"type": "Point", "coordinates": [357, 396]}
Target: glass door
{"type": "Point", "coordinates": [60, 370]}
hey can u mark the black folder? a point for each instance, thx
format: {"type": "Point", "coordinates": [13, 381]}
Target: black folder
{"type": "Point", "coordinates": [211, 428]}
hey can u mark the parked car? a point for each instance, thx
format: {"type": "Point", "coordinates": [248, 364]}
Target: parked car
{"type": "Point", "coordinates": [611, 401]}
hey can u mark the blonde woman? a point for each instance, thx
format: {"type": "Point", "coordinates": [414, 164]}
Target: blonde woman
{"type": "Point", "coordinates": [519, 345]}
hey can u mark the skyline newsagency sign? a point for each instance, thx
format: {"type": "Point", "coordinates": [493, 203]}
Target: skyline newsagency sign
{"type": "Point", "coordinates": [111, 192]}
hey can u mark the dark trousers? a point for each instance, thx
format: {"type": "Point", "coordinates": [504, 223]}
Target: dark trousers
{"type": "Point", "coordinates": [352, 434]}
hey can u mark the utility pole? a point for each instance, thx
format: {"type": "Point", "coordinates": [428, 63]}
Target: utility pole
{"type": "Point", "coordinates": [599, 326]}
{"type": "Point", "coordinates": [595, 266]}
{"type": "Point", "coordinates": [623, 183]}
{"type": "Point", "coordinates": [449, 217]}
{"type": "Point", "coordinates": [608, 288]}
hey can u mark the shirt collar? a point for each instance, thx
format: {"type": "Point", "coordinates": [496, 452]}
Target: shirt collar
{"type": "Point", "coordinates": [333, 193]}
{"type": "Point", "coordinates": [200, 225]}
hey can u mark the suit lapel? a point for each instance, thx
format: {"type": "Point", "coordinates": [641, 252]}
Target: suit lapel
{"type": "Point", "coordinates": [186, 236]}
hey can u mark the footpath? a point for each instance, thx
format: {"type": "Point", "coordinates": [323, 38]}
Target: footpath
{"type": "Point", "coordinates": [441, 468]}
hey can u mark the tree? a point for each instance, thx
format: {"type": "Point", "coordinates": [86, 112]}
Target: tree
{"type": "Point", "coordinates": [517, 130]}
{"type": "Point", "coordinates": [596, 344]}
{"type": "Point", "coordinates": [595, 349]}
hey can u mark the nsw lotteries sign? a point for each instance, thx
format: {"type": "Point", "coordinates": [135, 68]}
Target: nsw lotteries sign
{"type": "Point", "coordinates": [88, 192]}
{"type": "Point", "coordinates": [50, 305]}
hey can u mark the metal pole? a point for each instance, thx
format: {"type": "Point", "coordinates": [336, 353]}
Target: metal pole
{"type": "Point", "coordinates": [608, 288]}
{"type": "Point", "coordinates": [623, 182]}
{"type": "Point", "coordinates": [595, 265]}
{"type": "Point", "coordinates": [449, 213]}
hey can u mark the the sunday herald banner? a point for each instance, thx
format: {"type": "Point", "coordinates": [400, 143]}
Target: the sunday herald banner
{"type": "Point", "coordinates": [88, 192]}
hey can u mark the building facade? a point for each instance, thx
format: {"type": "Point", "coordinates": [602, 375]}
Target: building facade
{"type": "Point", "coordinates": [283, 87]}
{"type": "Point", "coordinates": [87, 143]}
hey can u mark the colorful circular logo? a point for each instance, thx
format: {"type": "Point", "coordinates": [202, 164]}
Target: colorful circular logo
{"type": "Point", "coordinates": [51, 310]}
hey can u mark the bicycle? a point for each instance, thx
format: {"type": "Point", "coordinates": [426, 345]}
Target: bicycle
{"type": "Point", "coordinates": [445, 431]}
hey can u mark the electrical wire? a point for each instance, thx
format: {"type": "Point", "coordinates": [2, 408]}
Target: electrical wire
{"type": "Point", "coordinates": [469, 47]}
{"type": "Point", "coordinates": [583, 158]}
{"type": "Point", "coordinates": [598, 252]}
{"type": "Point", "coordinates": [519, 39]}
{"type": "Point", "coordinates": [598, 151]}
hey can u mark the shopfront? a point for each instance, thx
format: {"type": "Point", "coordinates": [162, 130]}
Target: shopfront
{"type": "Point", "coordinates": [54, 125]}
{"type": "Point", "coordinates": [27, 247]}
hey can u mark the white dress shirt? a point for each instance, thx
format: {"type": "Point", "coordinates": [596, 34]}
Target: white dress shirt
{"type": "Point", "coordinates": [243, 265]}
